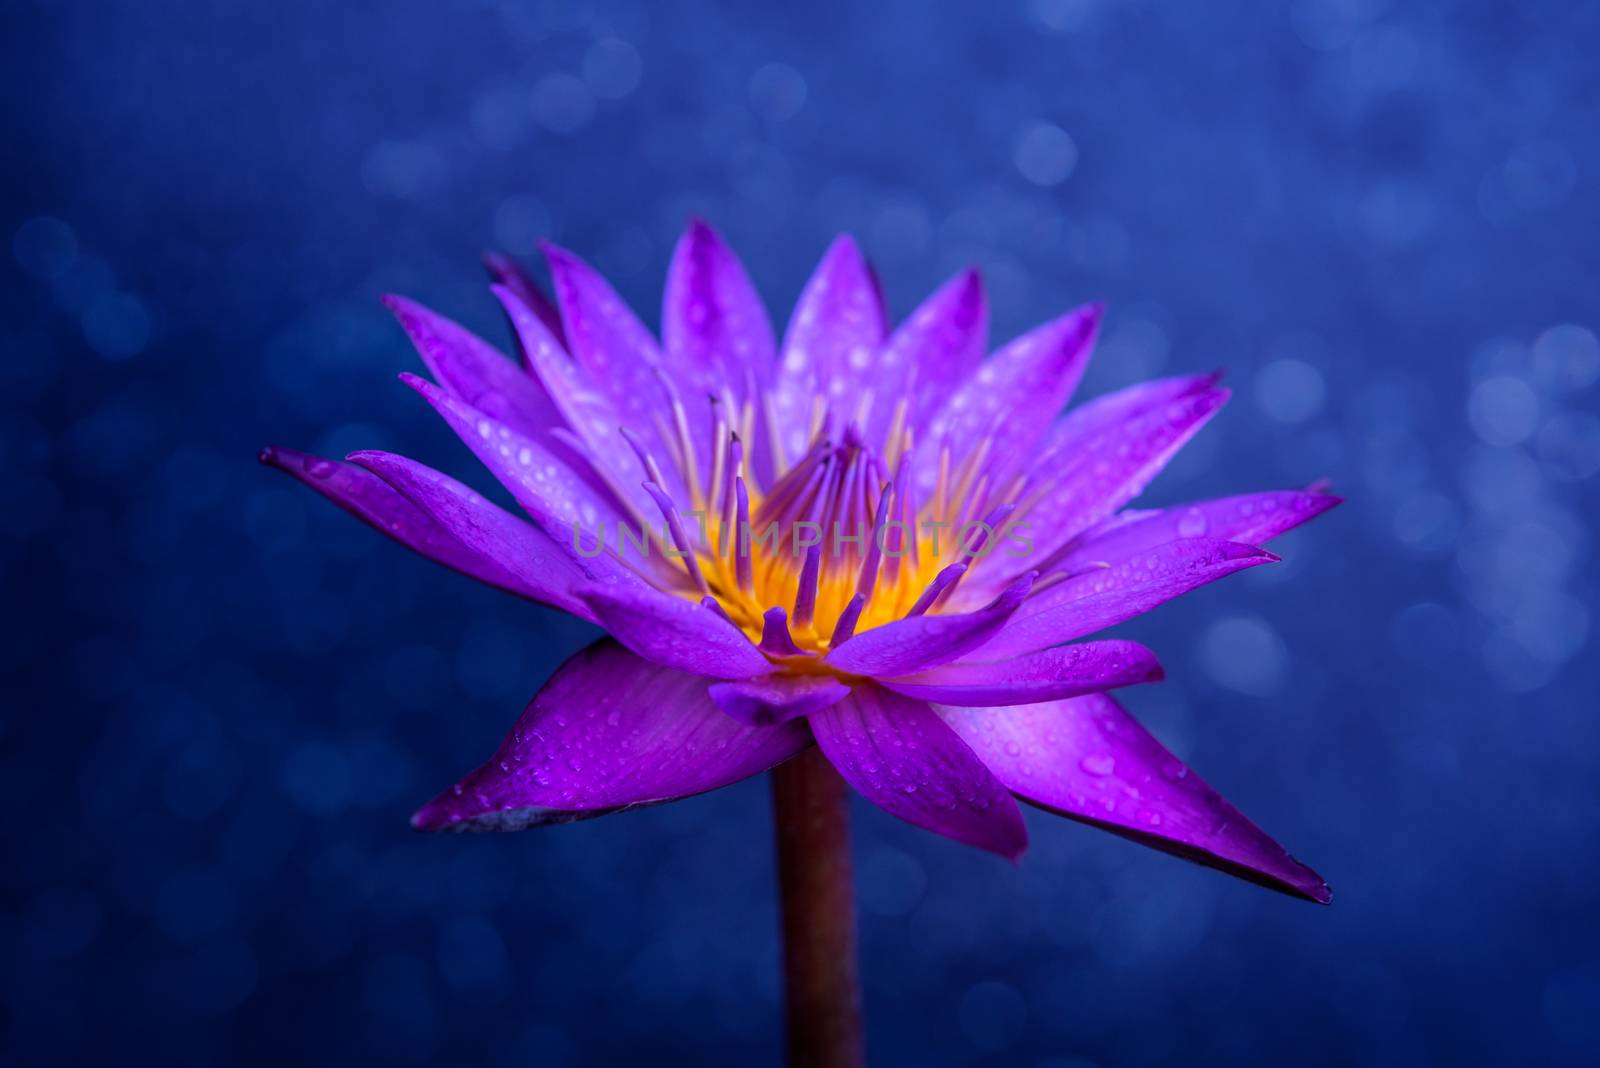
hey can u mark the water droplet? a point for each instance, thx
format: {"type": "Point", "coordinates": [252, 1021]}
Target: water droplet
{"type": "Point", "coordinates": [1098, 763]}
{"type": "Point", "coordinates": [1192, 524]}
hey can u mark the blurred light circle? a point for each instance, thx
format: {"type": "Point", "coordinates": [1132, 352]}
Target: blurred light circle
{"type": "Point", "coordinates": [116, 326]}
{"type": "Point", "coordinates": [1246, 655]}
{"type": "Point", "coordinates": [562, 103]}
{"type": "Point", "coordinates": [60, 923]}
{"type": "Point", "coordinates": [1397, 213]}
{"type": "Point", "coordinates": [1503, 410]}
{"type": "Point", "coordinates": [1427, 521]}
{"type": "Point", "coordinates": [317, 778]}
{"type": "Point", "coordinates": [1568, 354]}
{"type": "Point", "coordinates": [1551, 624]}
{"type": "Point", "coordinates": [403, 169]}
{"type": "Point", "coordinates": [1062, 16]}
{"type": "Point", "coordinates": [892, 882]}
{"type": "Point", "coordinates": [902, 230]}
{"type": "Point", "coordinates": [1044, 153]}
{"type": "Point", "coordinates": [521, 222]}
{"type": "Point", "coordinates": [1502, 481]}
{"type": "Point", "coordinates": [1539, 176]}
{"type": "Point", "coordinates": [44, 247]}
{"type": "Point", "coordinates": [777, 92]}
{"type": "Point", "coordinates": [612, 68]}
{"type": "Point", "coordinates": [1289, 390]}
{"type": "Point", "coordinates": [499, 119]}
{"type": "Point", "coordinates": [1569, 445]}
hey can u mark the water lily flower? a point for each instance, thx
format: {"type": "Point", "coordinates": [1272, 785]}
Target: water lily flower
{"type": "Point", "coordinates": [878, 542]}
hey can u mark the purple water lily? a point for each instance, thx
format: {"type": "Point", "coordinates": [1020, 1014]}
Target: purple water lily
{"type": "Point", "coordinates": [875, 541]}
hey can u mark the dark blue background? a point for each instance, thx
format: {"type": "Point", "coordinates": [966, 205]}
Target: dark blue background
{"type": "Point", "coordinates": [223, 698]}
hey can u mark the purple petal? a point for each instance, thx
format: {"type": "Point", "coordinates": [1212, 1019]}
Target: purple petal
{"type": "Point", "coordinates": [620, 357]}
{"type": "Point", "coordinates": [1107, 410]}
{"type": "Point", "coordinates": [608, 732]}
{"type": "Point", "coordinates": [937, 347]}
{"type": "Point", "coordinates": [917, 643]}
{"type": "Point", "coordinates": [712, 318]}
{"type": "Point", "coordinates": [676, 633]}
{"type": "Point", "coordinates": [1110, 468]}
{"type": "Point", "coordinates": [537, 562]}
{"type": "Point", "coordinates": [900, 756]}
{"type": "Point", "coordinates": [777, 698]}
{"type": "Point", "coordinates": [718, 339]}
{"type": "Point", "coordinates": [544, 486]}
{"type": "Point", "coordinates": [1253, 518]}
{"type": "Point", "coordinates": [1087, 759]}
{"type": "Point", "coordinates": [586, 409]}
{"type": "Point", "coordinates": [379, 505]}
{"type": "Point", "coordinates": [1083, 480]}
{"type": "Point", "coordinates": [1049, 675]}
{"type": "Point", "coordinates": [473, 370]}
{"type": "Point", "coordinates": [1103, 597]}
{"type": "Point", "coordinates": [1013, 396]}
{"type": "Point", "coordinates": [509, 274]}
{"type": "Point", "coordinates": [831, 344]}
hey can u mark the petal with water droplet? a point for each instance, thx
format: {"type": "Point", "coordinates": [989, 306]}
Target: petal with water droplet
{"type": "Point", "coordinates": [1094, 763]}
{"type": "Point", "coordinates": [609, 731]}
{"type": "Point", "coordinates": [903, 759]}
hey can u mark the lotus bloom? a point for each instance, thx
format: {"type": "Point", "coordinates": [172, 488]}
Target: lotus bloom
{"type": "Point", "coordinates": [880, 542]}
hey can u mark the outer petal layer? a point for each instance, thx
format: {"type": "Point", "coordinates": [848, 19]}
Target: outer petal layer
{"type": "Point", "coordinates": [1011, 399]}
{"type": "Point", "coordinates": [917, 643]}
{"type": "Point", "coordinates": [1088, 760]}
{"type": "Point", "coordinates": [903, 759]}
{"type": "Point", "coordinates": [473, 370]}
{"type": "Point", "coordinates": [676, 633]}
{"type": "Point", "coordinates": [1049, 675]}
{"type": "Point", "coordinates": [930, 354]}
{"type": "Point", "coordinates": [608, 732]}
{"type": "Point", "coordinates": [778, 698]}
{"type": "Point", "coordinates": [830, 345]}
{"type": "Point", "coordinates": [383, 508]}
{"type": "Point", "coordinates": [1252, 518]}
{"type": "Point", "coordinates": [494, 534]}
{"type": "Point", "coordinates": [1103, 597]}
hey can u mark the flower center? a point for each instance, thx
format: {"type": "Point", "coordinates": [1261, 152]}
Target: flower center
{"type": "Point", "coordinates": [838, 544]}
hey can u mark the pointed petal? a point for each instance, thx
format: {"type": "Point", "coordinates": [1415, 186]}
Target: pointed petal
{"type": "Point", "coordinates": [586, 408]}
{"type": "Point", "coordinates": [1014, 395]}
{"type": "Point", "coordinates": [1094, 416]}
{"type": "Point", "coordinates": [509, 274]}
{"type": "Point", "coordinates": [379, 505]}
{"type": "Point", "coordinates": [917, 643]}
{"type": "Point", "coordinates": [1103, 597]}
{"type": "Point", "coordinates": [1087, 759]}
{"type": "Point", "coordinates": [1050, 675]}
{"type": "Point", "coordinates": [676, 633]}
{"type": "Point", "coordinates": [1252, 518]}
{"type": "Point", "coordinates": [712, 318]}
{"type": "Point", "coordinates": [831, 342]}
{"type": "Point", "coordinates": [1100, 473]}
{"type": "Point", "coordinates": [620, 358]}
{"type": "Point", "coordinates": [937, 348]}
{"type": "Point", "coordinates": [900, 756]}
{"type": "Point", "coordinates": [473, 370]}
{"type": "Point", "coordinates": [608, 732]}
{"type": "Point", "coordinates": [777, 698]}
{"type": "Point", "coordinates": [527, 552]}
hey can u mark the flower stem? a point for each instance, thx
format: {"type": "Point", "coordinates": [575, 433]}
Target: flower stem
{"type": "Point", "coordinates": [811, 813]}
